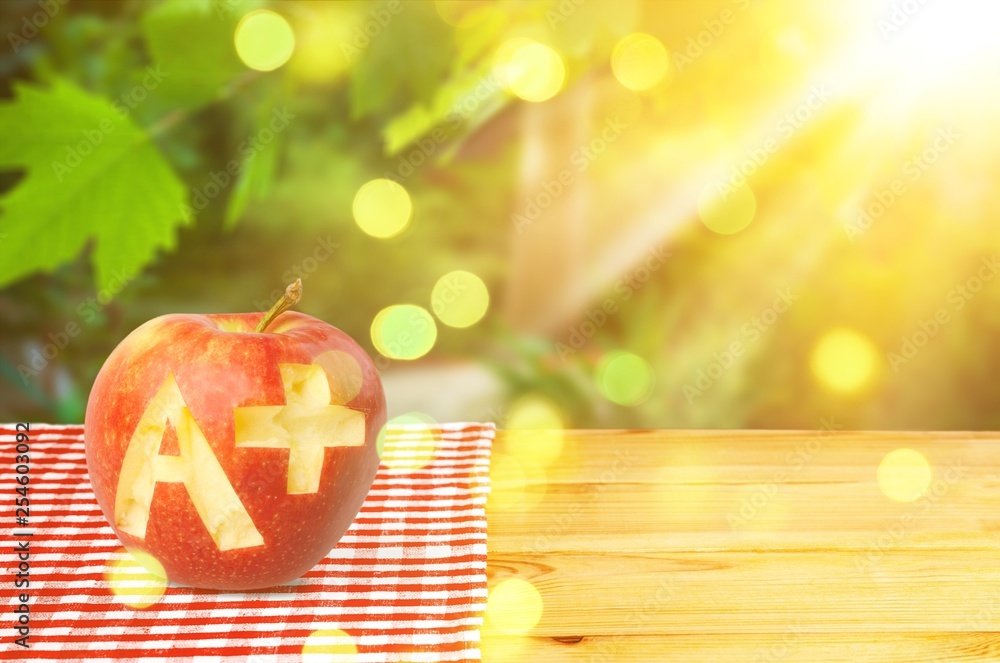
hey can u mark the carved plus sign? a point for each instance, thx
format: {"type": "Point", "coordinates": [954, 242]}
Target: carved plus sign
{"type": "Point", "coordinates": [305, 425]}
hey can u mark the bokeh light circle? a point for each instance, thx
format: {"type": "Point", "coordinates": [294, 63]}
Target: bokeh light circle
{"type": "Point", "coordinates": [328, 646]}
{"type": "Point", "coordinates": [325, 43]}
{"type": "Point", "coordinates": [343, 372]}
{"type": "Point", "coordinates": [726, 209]}
{"type": "Point", "coordinates": [138, 580]}
{"type": "Point", "coordinates": [904, 475]}
{"type": "Point", "coordinates": [264, 40]}
{"type": "Point", "coordinates": [514, 606]}
{"type": "Point", "coordinates": [453, 12]}
{"type": "Point", "coordinates": [514, 486]}
{"type": "Point", "coordinates": [382, 208]}
{"type": "Point", "coordinates": [411, 446]}
{"type": "Point", "coordinates": [844, 360]}
{"type": "Point", "coordinates": [625, 378]}
{"type": "Point", "coordinates": [535, 72]}
{"type": "Point", "coordinates": [404, 331]}
{"type": "Point", "coordinates": [460, 299]}
{"type": "Point", "coordinates": [503, 55]}
{"type": "Point", "coordinates": [533, 430]}
{"type": "Point", "coordinates": [534, 412]}
{"type": "Point", "coordinates": [639, 61]}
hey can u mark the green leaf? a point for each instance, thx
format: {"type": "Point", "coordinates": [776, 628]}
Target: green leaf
{"type": "Point", "coordinates": [91, 175]}
{"type": "Point", "coordinates": [462, 100]}
{"type": "Point", "coordinates": [254, 181]}
{"type": "Point", "coordinates": [403, 63]}
{"type": "Point", "coordinates": [192, 42]}
{"type": "Point", "coordinates": [258, 167]}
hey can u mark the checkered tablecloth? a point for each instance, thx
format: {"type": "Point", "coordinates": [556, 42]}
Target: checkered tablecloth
{"type": "Point", "coordinates": [406, 583]}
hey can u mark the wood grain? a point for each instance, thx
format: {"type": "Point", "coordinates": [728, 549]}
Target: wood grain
{"type": "Point", "coordinates": [749, 546]}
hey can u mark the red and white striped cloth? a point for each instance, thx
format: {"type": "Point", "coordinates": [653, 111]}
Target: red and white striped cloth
{"type": "Point", "coordinates": [406, 583]}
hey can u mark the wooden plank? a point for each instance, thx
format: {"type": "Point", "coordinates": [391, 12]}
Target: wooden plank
{"type": "Point", "coordinates": [794, 517]}
{"type": "Point", "coordinates": [817, 592]}
{"type": "Point", "coordinates": [744, 546]}
{"type": "Point", "coordinates": [792, 646]}
{"type": "Point", "coordinates": [750, 456]}
{"type": "Point", "coordinates": [738, 507]}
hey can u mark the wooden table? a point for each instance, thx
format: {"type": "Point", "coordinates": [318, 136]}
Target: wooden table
{"type": "Point", "coordinates": [750, 546]}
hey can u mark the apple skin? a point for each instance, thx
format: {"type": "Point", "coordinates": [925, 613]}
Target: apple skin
{"type": "Point", "coordinates": [220, 364]}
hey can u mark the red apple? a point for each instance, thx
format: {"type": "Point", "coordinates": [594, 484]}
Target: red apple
{"type": "Point", "coordinates": [234, 449]}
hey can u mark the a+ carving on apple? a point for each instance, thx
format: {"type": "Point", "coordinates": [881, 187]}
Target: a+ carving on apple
{"type": "Point", "coordinates": [305, 425]}
{"type": "Point", "coordinates": [235, 449]}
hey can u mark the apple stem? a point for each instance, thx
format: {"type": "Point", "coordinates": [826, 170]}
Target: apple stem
{"type": "Point", "coordinates": [293, 293]}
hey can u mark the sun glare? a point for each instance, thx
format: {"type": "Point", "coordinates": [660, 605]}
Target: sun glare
{"type": "Point", "coordinates": [920, 49]}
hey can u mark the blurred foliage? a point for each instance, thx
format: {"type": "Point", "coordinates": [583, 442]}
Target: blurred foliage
{"type": "Point", "coordinates": [181, 108]}
{"type": "Point", "coordinates": [214, 185]}
{"type": "Point", "coordinates": [111, 176]}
